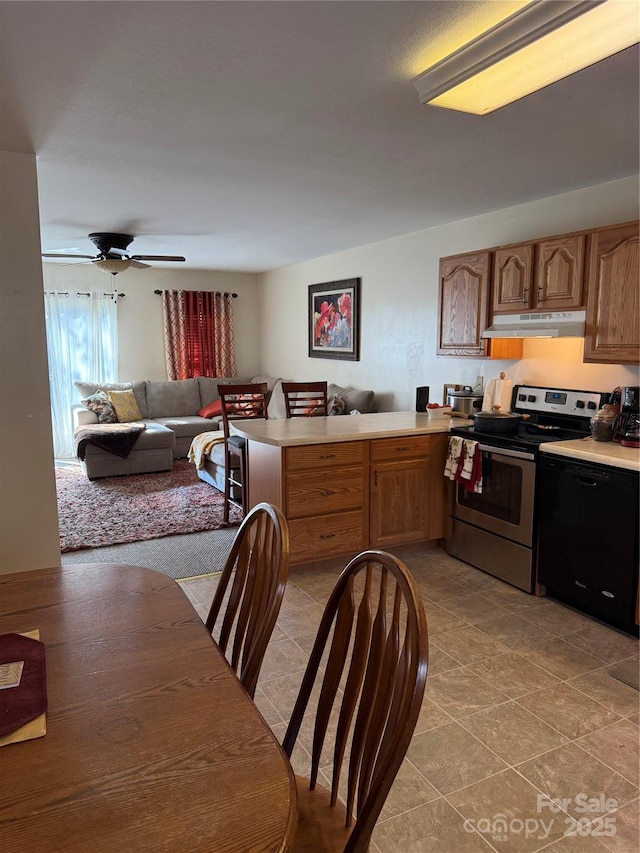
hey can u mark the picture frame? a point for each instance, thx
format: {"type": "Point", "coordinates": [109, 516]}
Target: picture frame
{"type": "Point", "coordinates": [334, 320]}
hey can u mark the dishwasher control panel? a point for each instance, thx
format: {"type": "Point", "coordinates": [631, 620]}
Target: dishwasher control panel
{"type": "Point", "coordinates": [557, 401]}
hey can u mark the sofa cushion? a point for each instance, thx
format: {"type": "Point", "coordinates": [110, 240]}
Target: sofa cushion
{"type": "Point", "coordinates": [125, 405]}
{"type": "Point", "coordinates": [212, 410]}
{"type": "Point", "coordinates": [101, 405]}
{"type": "Point", "coordinates": [138, 387]}
{"type": "Point", "coordinates": [175, 397]}
{"type": "Point", "coordinates": [277, 409]}
{"type": "Point", "coordinates": [361, 401]}
{"type": "Point", "coordinates": [208, 386]}
{"type": "Point", "coordinates": [336, 406]}
{"type": "Point", "coordinates": [186, 426]}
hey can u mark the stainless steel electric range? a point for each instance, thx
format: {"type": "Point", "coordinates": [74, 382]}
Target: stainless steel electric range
{"type": "Point", "coordinates": [496, 530]}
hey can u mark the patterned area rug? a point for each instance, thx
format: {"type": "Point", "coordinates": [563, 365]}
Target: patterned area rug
{"type": "Point", "coordinates": [134, 508]}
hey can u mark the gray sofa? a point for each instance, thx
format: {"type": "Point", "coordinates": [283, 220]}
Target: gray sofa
{"type": "Point", "coordinates": [170, 414]}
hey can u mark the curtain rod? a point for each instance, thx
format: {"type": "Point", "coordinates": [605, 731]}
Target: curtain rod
{"type": "Point", "coordinates": [82, 293]}
{"type": "Point", "coordinates": [235, 295]}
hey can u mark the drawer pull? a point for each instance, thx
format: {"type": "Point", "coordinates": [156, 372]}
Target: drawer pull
{"type": "Point", "coordinates": [402, 449]}
{"type": "Point", "coordinates": [327, 535]}
{"type": "Point", "coordinates": [581, 585]}
{"type": "Point", "coordinates": [327, 493]}
{"type": "Point", "coordinates": [327, 456]}
{"type": "Point", "coordinates": [608, 594]}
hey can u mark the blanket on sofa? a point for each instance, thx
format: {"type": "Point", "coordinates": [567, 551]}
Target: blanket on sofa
{"type": "Point", "coordinates": [116, 438]}
{"type": "Point", "coordinates": [202, 445]}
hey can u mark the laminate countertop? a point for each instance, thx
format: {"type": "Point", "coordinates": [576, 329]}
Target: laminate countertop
{"type": "Point", "coordinates": [289, 432]}
{"type": "Point", "coordinates": [601, 452]}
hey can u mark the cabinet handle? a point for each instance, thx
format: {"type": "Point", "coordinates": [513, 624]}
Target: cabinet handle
{"type": "Point", "coordinates": [402, 449]}
{"type": "Point", "coordinates": [327, 535]}
{"type": "Point", "coordinates": [327, 456]}
{"type": "Point", "coordinates": [581, 585]}
{"type": "Point", "coordinates": [539, 293]}
{"type": "Point", "coordinates": [525, 295]}
{"type": "Point", "coordinates": [326, 493]}
{"type": "Point", "coordinates": [607, 593]}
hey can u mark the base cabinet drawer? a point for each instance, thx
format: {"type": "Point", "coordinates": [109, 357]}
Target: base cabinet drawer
{"type": "Point", "coordinates": [309, 495]}
{"type": "Point", "coordinates": [327, 536]}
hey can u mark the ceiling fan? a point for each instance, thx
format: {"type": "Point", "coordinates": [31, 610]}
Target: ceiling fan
{"type": "Point", "coordinates": [113, 256]}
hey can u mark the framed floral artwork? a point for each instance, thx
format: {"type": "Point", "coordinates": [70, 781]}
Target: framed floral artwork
{"type": "Point", "coordinates": [334, 320]}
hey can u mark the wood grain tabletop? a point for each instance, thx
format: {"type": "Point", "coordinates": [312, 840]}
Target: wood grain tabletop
{"type": "Point", "coordinates": [152, 743]}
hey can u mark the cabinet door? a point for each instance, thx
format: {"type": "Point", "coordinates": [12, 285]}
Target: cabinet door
{"type": "Point", "coordinates": [613, 272]}
{"type": "Point", "coordinates": [398, 508]}
{"type": "Point", "coordinates": [463, 304]}
{"type": "Point", "coordinates": [560, 272]}
{"type": "Point", "coordinates": [512, 279]}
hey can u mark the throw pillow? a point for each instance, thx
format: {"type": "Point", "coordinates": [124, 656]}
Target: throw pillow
{"type": "Point", "coordinates": [212, 410]}
{"type": "Point", "coordinates": [102, 406]}
{"type": "Point", "coordinates": [125, 405]}
{"type": "Point", "coordinates": [241, 405]}
{"type": "Point", "coordinates": [311, 408]}
{"type": "Point", "coordinates": [337, 406]}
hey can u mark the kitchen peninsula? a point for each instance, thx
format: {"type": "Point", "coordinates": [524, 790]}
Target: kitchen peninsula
{"type": "Point", "coordinates": [350, 483]}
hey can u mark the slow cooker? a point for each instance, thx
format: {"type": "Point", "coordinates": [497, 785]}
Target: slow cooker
{"type": "Point", "coordinates": [466, 401]}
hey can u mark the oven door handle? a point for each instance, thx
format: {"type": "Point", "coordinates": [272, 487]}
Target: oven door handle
{"type": "Point", "coordinates": [501, 451]}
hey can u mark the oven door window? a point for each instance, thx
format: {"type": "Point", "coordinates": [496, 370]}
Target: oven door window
{"type": "Point", "coordinates": [505, 506]}
{"type": "Point", "coordinates": [501, 490]}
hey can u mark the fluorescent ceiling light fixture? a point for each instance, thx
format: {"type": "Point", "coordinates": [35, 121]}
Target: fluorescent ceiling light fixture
{"type": "Point", "coordinates": [113, 267]}
{"type": "Point", "coordinates": [540, 44]}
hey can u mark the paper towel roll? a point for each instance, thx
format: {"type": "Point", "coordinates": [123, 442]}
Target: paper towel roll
{"type": "Point", "coordinates": [498, 393]}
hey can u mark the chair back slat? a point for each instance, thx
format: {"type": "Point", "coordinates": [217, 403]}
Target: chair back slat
{"type": "Point", "coordinates": [333, 673]}
{"type": "Point", "coordinates": [375, 610]}
{"type": "Point", "coordinates": [249, 593]}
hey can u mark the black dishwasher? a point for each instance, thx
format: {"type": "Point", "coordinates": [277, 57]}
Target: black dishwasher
{"type": "Point", "coordinates": [588, 537]}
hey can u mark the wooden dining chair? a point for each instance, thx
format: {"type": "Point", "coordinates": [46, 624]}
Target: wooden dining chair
{"type": "Point", "coordinates": [249, 593]}
{"type": "Point", "coordinates": [248, 400]}
{"type": "Point", "coordinates": [370, 691]}
{"type": "Point", "coordinates": [305, 399]}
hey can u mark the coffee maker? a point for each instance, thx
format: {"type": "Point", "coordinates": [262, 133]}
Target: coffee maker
{"type": "Point", "coordinates": [626, 426]}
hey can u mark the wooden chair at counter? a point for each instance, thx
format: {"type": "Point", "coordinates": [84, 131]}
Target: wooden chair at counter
{"type": "Point", "coordinates": [305, 399]}
{"type": "Point", "coordinates": [248, 400]}
{"type": "Point", "coordinates": [251, 588]}
{"type": "Point", "coordinates": [375, 609]}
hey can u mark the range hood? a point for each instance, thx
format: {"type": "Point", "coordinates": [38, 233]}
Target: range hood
{"type": "Point", "coordinates": [551, 324]}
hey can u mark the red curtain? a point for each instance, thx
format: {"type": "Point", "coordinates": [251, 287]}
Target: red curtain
{"type": "Point", "coordinates": [198, 333]}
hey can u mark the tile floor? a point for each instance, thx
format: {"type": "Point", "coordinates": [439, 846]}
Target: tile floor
{"type": "Point", "coordinates": [524, 735]}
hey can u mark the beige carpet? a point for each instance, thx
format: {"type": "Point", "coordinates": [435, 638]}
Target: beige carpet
{"type": "Point", "coordinates": [183, 556]}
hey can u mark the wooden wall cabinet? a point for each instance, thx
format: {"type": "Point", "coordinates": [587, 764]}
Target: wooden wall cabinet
{"type": "Point", "coordinates": [613, 304]}
{"type": "Point", "coordinates": [463, 304]}
{"type": "Point", "coordinates": [512, 279]}
{"type": "Point", "coordinates": [547, 275]}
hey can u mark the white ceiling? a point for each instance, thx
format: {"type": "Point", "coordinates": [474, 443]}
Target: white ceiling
{"type": "Point", "coordinates": [251, 135]}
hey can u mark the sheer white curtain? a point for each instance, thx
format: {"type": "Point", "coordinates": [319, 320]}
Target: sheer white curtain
{"type": "Point", "coordinates": [82, 345]}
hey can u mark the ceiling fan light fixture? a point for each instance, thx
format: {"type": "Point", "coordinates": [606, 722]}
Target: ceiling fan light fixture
{"type": "Point", "coordinates": [112, 266]}
{"type": "Point", "coordinates": [540, 44]}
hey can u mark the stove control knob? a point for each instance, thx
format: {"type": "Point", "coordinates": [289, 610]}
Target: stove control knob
{"type": "Point", "coordinates": [591, 405]}
{"type": "Point", "coordinates": [531, 398]}
{"type": "Point", "coordinates": [522, 398]}
{"type": "Point", "coordinates": [579, 404]}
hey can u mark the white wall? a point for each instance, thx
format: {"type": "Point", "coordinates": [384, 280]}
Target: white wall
{"type": "Point", "coordinates": [400, 302]}
{"type": "Point", "coordinates": [28, 516]}
{"type": "Point", "coordinates": [140, 336]}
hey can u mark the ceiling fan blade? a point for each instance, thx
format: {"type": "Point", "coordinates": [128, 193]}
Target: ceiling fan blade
{"type": "Point", "coordinates": [157, 258]}
{"type": "Point", "coordinates": [57, 255]}
{"type": "Point", "coordinates": [140, 266]}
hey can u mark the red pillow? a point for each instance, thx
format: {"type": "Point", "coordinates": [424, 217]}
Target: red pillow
{"type": "Point", "coordinates": [211, 410]}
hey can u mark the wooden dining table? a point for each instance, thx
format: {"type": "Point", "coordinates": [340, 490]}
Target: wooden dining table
{"type": "Point", "coordinates": [151, 741]}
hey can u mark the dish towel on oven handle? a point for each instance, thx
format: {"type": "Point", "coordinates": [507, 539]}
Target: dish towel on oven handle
{"type": "Point", "coordinates": [464, 463]}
